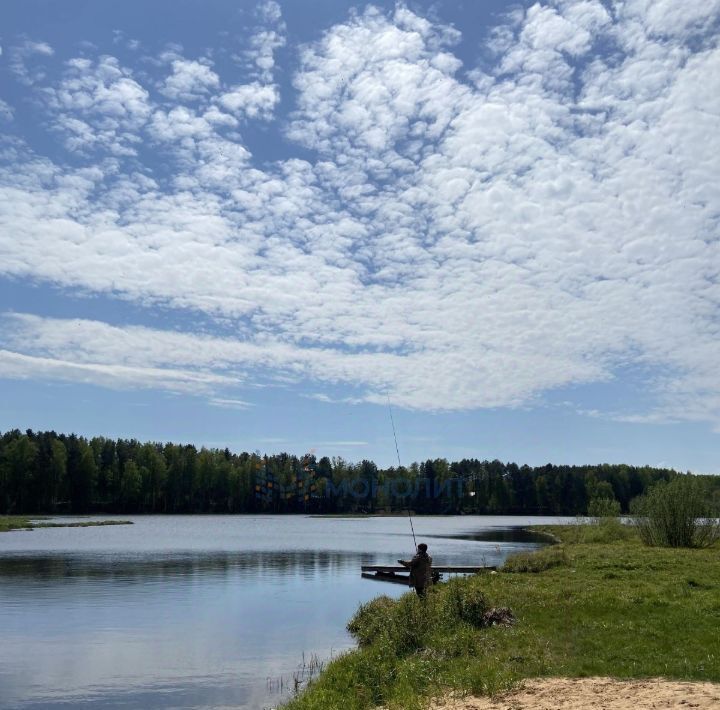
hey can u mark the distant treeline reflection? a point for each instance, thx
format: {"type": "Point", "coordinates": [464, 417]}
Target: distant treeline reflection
{"type": "Point", "coordinates": [45, 472]}
{"type": "Point", "coordinates": [140, 567]}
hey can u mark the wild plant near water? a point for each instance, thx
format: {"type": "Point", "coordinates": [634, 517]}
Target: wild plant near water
{"type": "Point", "coordinates": [680, 513]}
{"type": "Point", "coordinates": [410, 624]}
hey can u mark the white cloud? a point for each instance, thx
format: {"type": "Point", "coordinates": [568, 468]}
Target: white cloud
{"type": "Point", "coordinates": [667, 18]}
{"type": "Point", "coordinates": [179, 123]}
{"type": "Point", "coordinates": [257, 99]}
{"type": "Point", "coordinates": [26, 61]}
{"type": "Point", "coordinates": [94, 346]}
{"type": "Point", "coordinates": [219, 118]}
{"type": "Point", "coordinates": [119, 37]}
{"type": "Point", "coordinates": [251, 100]}
{"type": "Point", "coordinates": [6, 111]}
{"type": "Point", "coordinates": [269, 11]}
{"type": "Point", "coordinates": [189, 81]}
{"type": "Point", "coordinates": [19, 366]}
{"type": "Point", "coordinates": [457, 245]}
{"type": "Point", "coordinates": [370, 84]}
{"type": "Point", "coordinates": [229, 403]}
{"type": "Point", "coordinates": [99, 104]}
{"type": "Point", "coordinates": [268, 38]}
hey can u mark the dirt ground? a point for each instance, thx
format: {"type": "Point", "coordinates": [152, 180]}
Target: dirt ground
{"type": "Point", "coordinates": [596, 694]}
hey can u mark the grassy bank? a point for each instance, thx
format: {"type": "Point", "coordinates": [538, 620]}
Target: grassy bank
{"type": "Point", "coordinates": [599, 603]}
{"type": "Point", "coordinates": [18, 522]}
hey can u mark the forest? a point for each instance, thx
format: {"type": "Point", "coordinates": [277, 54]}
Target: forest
{"type": "Point", "coordinates": [46, 472]}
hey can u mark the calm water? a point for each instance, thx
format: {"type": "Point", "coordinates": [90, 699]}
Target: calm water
{"type": "Point", "coordinates": [201, 611]}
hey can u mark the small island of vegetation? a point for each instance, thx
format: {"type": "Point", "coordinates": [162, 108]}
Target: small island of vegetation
{"type": "Point", "coordinates": [21, 522]}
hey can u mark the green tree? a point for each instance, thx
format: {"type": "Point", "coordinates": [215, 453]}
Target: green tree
{"type": "Point", "coordinates": [131, 486]}
{"type": "Point", "coordinates": [57, 471]}
{"type": "Point", "coordinates": [81, 474]}
{"type": "Point", "coordinates": [17, 461]}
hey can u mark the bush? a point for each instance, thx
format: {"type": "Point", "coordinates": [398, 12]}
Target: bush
{"type": "Point", "coordinates": [370, 620]}
{"type": "Point", "coordinates": [464, 602]}
{"type": "Point", "coordinates": [398, 626]}
{"type": "Point", "coordinates": [409, 624]}
{"type": "Point", "coordinates": [603, 508]}
{"type": "Point", "coordinates": [677, 514]}
{"type": "Point", "coordinates": [539, 561]}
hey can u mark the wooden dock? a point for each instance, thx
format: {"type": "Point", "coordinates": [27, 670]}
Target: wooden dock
{"type": "Point", "coordinates": [400, 575]}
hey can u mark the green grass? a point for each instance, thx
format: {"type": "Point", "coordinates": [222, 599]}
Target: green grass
{"type": "Point", "coordinates": [539, 561]}
{"type": "Point", "coordinates": [611, 607]}
{"type": "Point", "coordinates": [19, 522]}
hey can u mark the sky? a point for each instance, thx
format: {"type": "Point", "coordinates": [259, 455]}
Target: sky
{"type": "Point", "coordinates": [269, 225]}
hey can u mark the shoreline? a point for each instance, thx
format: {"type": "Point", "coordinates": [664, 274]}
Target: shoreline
{"type": "Point", "coordinates": [595, 604]}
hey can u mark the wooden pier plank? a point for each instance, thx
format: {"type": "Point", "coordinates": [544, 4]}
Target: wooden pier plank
{"type": "Point", "coordinates": [450, 569]}
{"type": "Point", "coordinates": [381, 577]}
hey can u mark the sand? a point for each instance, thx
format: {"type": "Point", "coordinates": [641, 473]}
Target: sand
{"type": "Point", "coordinates": [596, 694]}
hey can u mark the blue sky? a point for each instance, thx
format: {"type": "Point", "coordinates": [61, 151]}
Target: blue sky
{"type": "Point", "coordinates": [252, 224]}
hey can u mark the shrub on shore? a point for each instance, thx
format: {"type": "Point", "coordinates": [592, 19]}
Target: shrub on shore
{"type": "Point", "coordinates": [602, 507]}
{"type": "Point", "coordinates": [410, 624]}
{"type": "Point", "coordinates": [680, 513]}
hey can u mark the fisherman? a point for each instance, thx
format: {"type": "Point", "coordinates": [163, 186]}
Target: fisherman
{"type": "Point", "coordinates": [420, 567]}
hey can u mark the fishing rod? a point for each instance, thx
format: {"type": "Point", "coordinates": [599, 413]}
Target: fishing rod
{"type": "Point", "coordinates": [397, 451]}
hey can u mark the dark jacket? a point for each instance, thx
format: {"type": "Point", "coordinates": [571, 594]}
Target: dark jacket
{"type": "Point", "coordinates": [420, 568]}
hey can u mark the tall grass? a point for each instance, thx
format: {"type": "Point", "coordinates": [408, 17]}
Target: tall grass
{"type": "Point", "coordinates": [538, 561]}
{"type": "Point", "coordinates": [680, 513]}
{"type": "Point", "coordinates": [410, 624]}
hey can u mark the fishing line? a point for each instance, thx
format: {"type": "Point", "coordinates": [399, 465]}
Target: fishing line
{"type": "Point", "coordinates": [397, 451]}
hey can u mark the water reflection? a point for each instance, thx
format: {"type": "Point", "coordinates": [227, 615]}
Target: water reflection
{"type": "Point", "coordinates": [144, 567]}
{"type": "Point", "coordinates": [513, 535]}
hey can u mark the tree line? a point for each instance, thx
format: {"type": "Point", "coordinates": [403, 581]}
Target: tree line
{"type": "Point", "coordinates": [46, 472]}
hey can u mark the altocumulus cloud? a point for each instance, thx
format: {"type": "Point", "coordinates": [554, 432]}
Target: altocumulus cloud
{"type": "Point", "coordinates": [464, 236]}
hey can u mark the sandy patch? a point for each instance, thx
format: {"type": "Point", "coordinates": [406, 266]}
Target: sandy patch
{"type": "Point", "coordinates": [596, 694]}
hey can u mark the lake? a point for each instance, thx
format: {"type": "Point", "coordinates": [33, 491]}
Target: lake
{"type": "Point", "coordinates": [205, 610]}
